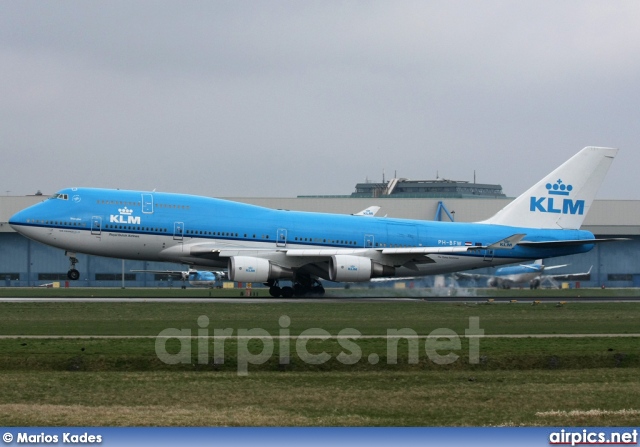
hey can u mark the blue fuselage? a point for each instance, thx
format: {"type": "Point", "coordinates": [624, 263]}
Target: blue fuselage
{"type": "Point", "coordinates": [174, 227]}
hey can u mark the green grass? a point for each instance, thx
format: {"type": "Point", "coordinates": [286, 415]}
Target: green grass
{"type": "Point", "coordinates": [141, 355]}
{"type": "Point", "coordinates": [368, 318]}
{"type": "Point", "coordinates": [518, 381]}
{"type": "Point", "coordinates": [337, 398]}
{"type": "Point", "coordinates": [353, 292]}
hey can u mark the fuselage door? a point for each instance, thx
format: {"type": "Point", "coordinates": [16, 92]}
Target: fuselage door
{"type": "Point", "coordinates": [178, 231]}
{"type": "Point", "coordinates": [147, 203]}
{"type": "Point", "coordinates": [281, 240]}
{"type": "Point", "coordinates": [368, 241]}
{"type": "Point", "coordinates": [488, 255]}
{"type": "Point", "coordinates": [96, 225]}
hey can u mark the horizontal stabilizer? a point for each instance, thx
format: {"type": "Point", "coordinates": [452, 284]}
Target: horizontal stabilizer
{"type": "Point", "coordinates": [508, 243]}
{"type": "Point", "coordinates": [570, 243]}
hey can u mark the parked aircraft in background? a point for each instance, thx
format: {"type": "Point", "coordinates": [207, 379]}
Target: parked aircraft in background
{"type": "Point", "coordinates": [369, 212]}
{"type": "Point", "coordinates": [262, 245]}
{"type": "Point", "coordinates": [196, 278]}
{"type": "Point", "coordinates": [530, 274]}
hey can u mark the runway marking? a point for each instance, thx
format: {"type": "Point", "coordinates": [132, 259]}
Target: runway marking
{"type": "Point", "coordinates": [327, 300]}
{"type": "Point", "coordinates": [594, 412]}
{"type": "Point", "coordinates": [236, 300]}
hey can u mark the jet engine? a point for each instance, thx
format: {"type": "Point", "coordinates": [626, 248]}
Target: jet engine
{"type": "Point", "coordinates": [345, 268]}
{"type": "Point", "coordinates": [248, 269]}
{"type": "Point", "coordinates": [499, 283]}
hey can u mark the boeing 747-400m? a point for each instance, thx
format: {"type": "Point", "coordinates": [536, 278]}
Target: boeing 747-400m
{"type": "Point", "coordinates": [273, 247]}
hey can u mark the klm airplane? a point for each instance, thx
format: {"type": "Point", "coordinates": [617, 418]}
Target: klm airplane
{"type": "Point", "coordinates": [196, 278]}
{"type": "Point", "coordinates": [532, 274]}
{"type": "Point", "coordinates": [269, 246]}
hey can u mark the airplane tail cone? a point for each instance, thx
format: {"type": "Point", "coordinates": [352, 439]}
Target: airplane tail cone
{"type": "Point", "coordinates": [562, 199]}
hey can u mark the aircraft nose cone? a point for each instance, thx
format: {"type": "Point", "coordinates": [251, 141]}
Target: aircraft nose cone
{"type": "Point", "coordinates": [26, 223]}
{"type": "Point", "coordinates": [16, 220]}
{"type": "Point", "coordinates": [20, 221]}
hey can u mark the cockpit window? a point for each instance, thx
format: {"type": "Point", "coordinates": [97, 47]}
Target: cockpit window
{"type": "Point", "coordinates": [60, 196]}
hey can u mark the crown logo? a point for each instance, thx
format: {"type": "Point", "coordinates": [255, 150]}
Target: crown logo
{"type": "Point", "coordinates": [126, 211]}
{"type": "Point", "coordinates": [559, 188]}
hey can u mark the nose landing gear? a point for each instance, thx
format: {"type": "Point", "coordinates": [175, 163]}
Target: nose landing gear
{"type": "Point", "coordinates": [72, 274]}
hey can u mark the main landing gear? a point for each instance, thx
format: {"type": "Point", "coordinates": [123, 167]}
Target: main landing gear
{"type": "Point", "coordinates": [301, 287]}
{"type": "Point", "coordinates": [72, 274]}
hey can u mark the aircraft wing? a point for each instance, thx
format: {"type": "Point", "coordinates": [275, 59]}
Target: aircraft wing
{"type": "Point", "coordinates": [474, 276]}
{"type": "Point", "coordinates": [180, 274]}
{"type": "Point", "coordinates": [551, 267]}
{"type": "Point", "coordinates": [395, 256]}
{"type": "Point", "coordinates": [394, 278]}
{"type": "Point", "coordinates": [507, 243]}
{"type": "Point", "coordinates": [572, 276]}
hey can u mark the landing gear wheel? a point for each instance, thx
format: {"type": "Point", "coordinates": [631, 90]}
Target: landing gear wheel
{"type": "Point", "coordinates": [275, 291]}
{"type": "Point", "coordinates": [72, 274]}
{"type": "Point", "coordinates": [287, 292]}
{"type": "Point", "coordinates": [308, 287]}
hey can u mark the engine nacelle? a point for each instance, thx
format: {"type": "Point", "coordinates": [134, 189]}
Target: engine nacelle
{"type": "Point", "coordinates": [346, 268]}
{"type": "Point", "coordinates": [248, 269]}
{"type": "Point", "coordinates": [499, 283]}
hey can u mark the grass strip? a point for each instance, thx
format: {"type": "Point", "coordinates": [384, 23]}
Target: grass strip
{"type": "Point", "coordinates": [351, 292]}
{"type": "Point", "coordinates": [315, 355]}
{"type": "Point", "coordinates": [596, 397]}
{"type": "Point", "coordinates": [369, 318]}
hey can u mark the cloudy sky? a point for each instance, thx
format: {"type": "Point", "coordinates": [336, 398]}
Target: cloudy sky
{"type": "Point", "coordinates": [286, 98]}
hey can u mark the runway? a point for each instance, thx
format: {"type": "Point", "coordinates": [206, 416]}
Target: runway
{"type": "Point", "coordinates": [313, 337]}
{"type": "Point", "coordinates": [328, 300]}
{"type": "Point", "coordinates": [207, 300]}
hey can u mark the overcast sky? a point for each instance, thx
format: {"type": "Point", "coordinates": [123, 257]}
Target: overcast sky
{"type": "Point", "coordinates": [279, 98]}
